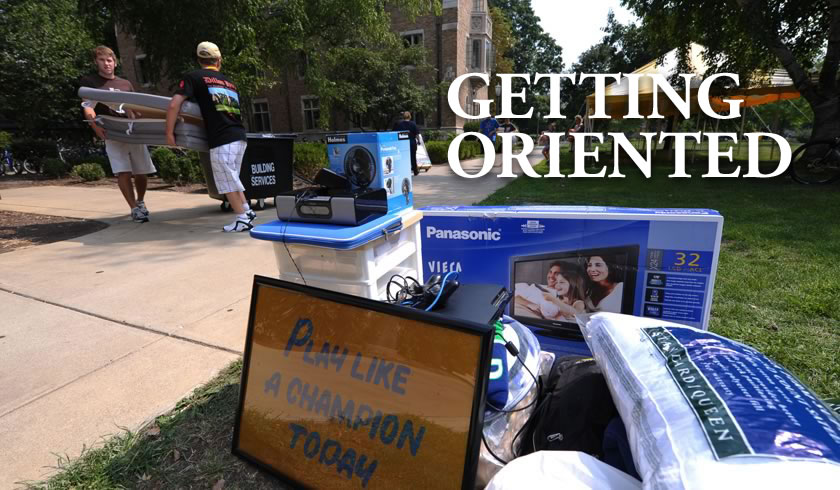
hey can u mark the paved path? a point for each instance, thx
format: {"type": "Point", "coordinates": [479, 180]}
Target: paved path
{"type": "Point", "coordinates": [108, 330]}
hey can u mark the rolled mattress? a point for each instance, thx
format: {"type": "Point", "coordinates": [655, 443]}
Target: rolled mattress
{"type": "Point", "coordinates": [148, 127]}
{"type": "Point", "coordinates": [136, 100]}
{"type": "Point", "coordinates": [181, 140]}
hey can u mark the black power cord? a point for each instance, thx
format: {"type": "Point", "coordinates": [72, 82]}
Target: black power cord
{"type": "Point", "coordinates": [515, 352]}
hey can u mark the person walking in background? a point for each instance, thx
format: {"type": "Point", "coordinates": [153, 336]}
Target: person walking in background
{"type": "Point", "coordinates": [127, 160]}
{"type": "Point", "coordinates": [489, 127]}
{"type": "Point", "coordinates": [408, 125]}
{"type": "Point", "coordinates": [577, 128]}
{"type": "Point", "coordinates": [508, 127]}
{"type": "Point", "coordinates": [546, 141]}
{"type": "Point", "coordinates": [218, 100]}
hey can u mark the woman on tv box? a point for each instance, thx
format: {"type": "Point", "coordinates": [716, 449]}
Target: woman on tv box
{"type": "Point", "coordinates": [605, 289]}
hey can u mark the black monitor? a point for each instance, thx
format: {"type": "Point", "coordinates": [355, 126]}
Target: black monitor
{"type": "Point", "coordinates": [549, 289]}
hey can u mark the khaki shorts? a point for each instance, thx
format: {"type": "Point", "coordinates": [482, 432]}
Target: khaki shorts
{"type": "Point", "coordinates": [128, 157]}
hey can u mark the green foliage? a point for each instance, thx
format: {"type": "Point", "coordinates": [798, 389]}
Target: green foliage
{"type": "Point", "coordinates": [472, 126]}
{"type": "Point", "coordinates": [436, 135]}
{"type": "Point", "coordinates": [532, 51]}
{"type": "Point", "coordinates": [176, 168]}
{"type": "Point", "coordinates": [100, 160]}
{"type": "Point", "coordinates": [371, 81]}
{"type": "Point", "coordinates": [88, 172]}
{"type": "Point", "coordinates": [469, 149]}
{"type": "Point", "coordinates": [54, 167]}
{"type": "Point", "coordinates": [309, 158]}
{"type": "Point", "coordinates": [262, 40]}
{"type": "Point", "coordinates": [5, 139]}
{"type": "Point", "coordinates": [44, 50]}
{"type": "Point", "coordinates": [753, 38]}
{"type": "Point", "coordinates": [34, 149]}
{"type": "Point", "coordinates": [437, 151]}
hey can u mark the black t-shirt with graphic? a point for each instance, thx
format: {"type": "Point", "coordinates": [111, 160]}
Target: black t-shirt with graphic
{"type": "Point", "coordinates": [218, 100]}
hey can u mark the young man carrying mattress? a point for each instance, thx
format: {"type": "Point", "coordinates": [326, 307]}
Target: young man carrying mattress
{"type": "Point", "coordinates": [126, 159]}
{"type": "Point", "coordinates": [218, 100]}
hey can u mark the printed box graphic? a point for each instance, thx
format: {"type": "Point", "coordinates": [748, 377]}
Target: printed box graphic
{"type": "Point", "coordinates": [562, 260]}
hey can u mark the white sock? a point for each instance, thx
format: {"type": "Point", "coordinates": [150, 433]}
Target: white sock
{"type": "Point", "coordinates": [247, 207]}
{"type": "Point", "coordinates": [243, 216]}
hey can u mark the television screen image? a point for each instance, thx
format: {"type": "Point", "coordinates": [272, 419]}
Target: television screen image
{"type": "Point", "coordinates": [550, 289]}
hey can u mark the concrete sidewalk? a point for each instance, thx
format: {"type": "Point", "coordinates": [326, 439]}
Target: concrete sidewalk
{"type": "Point", "coordinates": [109, 330]}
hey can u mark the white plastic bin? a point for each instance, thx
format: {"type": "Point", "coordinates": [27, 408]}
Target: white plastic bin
{"type": "Point", "coordinates": [354, 260]}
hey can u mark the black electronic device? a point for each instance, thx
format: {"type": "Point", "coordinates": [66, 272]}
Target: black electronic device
{"type": "Point", "coordinates": [480, 303]}
{"type": "Point", "coordinates": [331, 206]}
{"type": "Point", "coordinates": [331, 180]}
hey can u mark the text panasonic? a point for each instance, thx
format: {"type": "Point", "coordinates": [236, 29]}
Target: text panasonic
{"type": "Point", "coordinates": [488, 234]}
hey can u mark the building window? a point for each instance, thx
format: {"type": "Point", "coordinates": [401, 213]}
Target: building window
{"type": "Point", "coordinates": [311, 112]}
{"type": "Point", "coordinates": [302, 64]}
{"type": "Point", "coordinates": [475, 62]}
{"type": "Point", "coordinates": [478, 5]}
{"type": "Point", "coordinates": [488, 58]}
{"type": "Point", "coordinates": [141, 69]}
{"type": "Point", "coordinates": [419, 119]}
{"type": "Point", "coordinates": [261, 120]}
{"type": "Point", "coordinates": [412, 39]}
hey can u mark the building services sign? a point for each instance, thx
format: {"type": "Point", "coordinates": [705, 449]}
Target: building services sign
{"type": "Point", "coordinates": [340, 391]}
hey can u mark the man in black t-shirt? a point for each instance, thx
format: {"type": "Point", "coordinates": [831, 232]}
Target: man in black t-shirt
{"type": "Point", "coordinates": [218, 100]}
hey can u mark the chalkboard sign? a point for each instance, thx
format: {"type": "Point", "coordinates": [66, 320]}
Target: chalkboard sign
{"type": "Point", "coordinates": [342, 391]}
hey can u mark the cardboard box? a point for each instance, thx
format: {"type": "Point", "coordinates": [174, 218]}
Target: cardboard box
{"type": "Point", "coordinates": [559, 260]}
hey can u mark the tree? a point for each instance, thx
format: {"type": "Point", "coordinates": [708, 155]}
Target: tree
{"type": "Point", "coordinates": [534, 51]}
{"type": "Point", "coordinates": [44, 49]}
{"type": "Point", "coordinates": [623, 49]}
{"type": "Point", "coordinates": [753, 37]}
{"type": "Point", "coordinates": [264, 39]}
{"type": "Point", "coordinates": [373, 84]}
{"type": "Point", "coordinates": [503, 43]}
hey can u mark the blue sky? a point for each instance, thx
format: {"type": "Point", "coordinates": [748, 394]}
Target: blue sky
{"type": "Point", "coordinates": [577, 25]}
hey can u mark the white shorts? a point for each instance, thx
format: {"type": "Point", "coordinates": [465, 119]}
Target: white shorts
{"type": "Point", "coordinates": [226, 160]}
{"type": "Point", "coordinates": [128, 157]}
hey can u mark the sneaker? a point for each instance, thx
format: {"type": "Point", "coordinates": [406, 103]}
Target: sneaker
{"type": "Point", "coordinates": [242, 223]}
{"type": "Point", "coordinates": [139, 216]}
{"type": "Point", "coordinates": [252, 215]}
{"type": "Point", "coordinates": [141, 205]}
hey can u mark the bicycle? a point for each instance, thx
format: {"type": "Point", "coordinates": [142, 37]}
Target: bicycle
{"type": "Point", "coordinates": [9, 164]}
{"type": "Point", "coordinates": [816, 162]}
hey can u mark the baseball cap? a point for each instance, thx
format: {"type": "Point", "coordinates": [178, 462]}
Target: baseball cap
{"type": "Point", "coordinates": [207, 49]}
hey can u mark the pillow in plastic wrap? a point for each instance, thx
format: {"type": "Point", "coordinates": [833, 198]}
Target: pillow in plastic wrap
{"type": "Point", "coordinates": [703, 411]}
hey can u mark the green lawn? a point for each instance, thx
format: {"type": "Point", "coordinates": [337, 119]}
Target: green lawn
{"type": "Point", "coordinates": [778, 289]}
{"type": "Point", "coordinates": [778, 283]}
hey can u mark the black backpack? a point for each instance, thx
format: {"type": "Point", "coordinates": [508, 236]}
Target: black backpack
{"type": "Point", "coordinates": [573, 411]}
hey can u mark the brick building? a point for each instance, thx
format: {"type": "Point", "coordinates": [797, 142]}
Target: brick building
{"type": "Point", "coordinates": [458, 41]}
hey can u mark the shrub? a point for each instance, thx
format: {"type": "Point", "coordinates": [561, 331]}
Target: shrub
{"type": "Point", "coordinates": [54, 167]}
{"type": "Point", "coordinates": [309, 158]}
{"type": "Point", "coordinates": [177, 169]}
{"type": "Point", "coordinates": [472, 127]}
{"type": "Point", "coordinates": [166, 163]}
{"type": "Point", "coordinates": [88, 172]}
{"type": "Point", "coordinates": [437, 151]}
{"type": "Point", "coordinates": [100, 160]}
{"type": "Point", "coordinates": [5, 139]}
{"type": "Point", "coordinates": [436, 135]}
